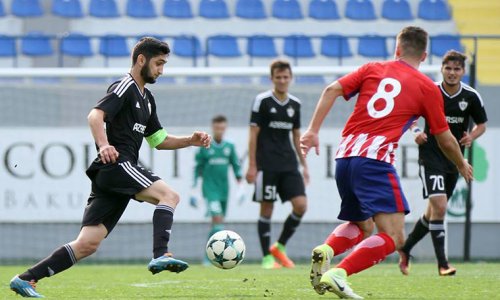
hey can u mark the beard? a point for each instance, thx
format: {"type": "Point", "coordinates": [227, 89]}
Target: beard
{"type": "Point", "coordinates": [146, 74]}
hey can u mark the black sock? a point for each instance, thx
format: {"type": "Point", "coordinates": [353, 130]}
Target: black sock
{"type": "Point", "coordinates": [163, 217]}
{"type": "Point", "coordinates": [291, 224]}
{"type": "Point", "coordinates": [60, 260]}
{"type": "Point", "coordinates": [264, 229]}
{"type": "Point", "coordinates": [438, 234]}
{"type": "Point", "coordinates": [419, 231]}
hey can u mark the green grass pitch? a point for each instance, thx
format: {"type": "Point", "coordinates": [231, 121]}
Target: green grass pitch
{"type": "Point", "coordinates": [473, 281]}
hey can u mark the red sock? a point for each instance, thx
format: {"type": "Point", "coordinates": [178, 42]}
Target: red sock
{"type": "Point", "coordinates": [368, 253]}
{"type": "Point", "coordinates": [344, 237]}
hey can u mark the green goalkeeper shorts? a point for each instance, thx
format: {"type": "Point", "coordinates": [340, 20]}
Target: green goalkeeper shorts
{"type": "Point", "coordinates": [216, 207]}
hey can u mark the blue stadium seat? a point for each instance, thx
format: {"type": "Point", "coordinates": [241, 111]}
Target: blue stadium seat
{"type": "Point", "coordinates": [187, 46]}
{"type": "Point", "coordinates": [76, 44]}
{"type": "Point", "coordinates": [103, 9]}
{"type": "Point", "coordinates": [223, 46]}
{"type": "Point", "coordinates": [250, 9]}
{"type": "Point", "coordinates": [434, 10]}
{"type": "Point", "coordinates": [372, 46]}
{"type": "Point", "coordinates": [179, 9]}
{"type": "Point", "coordinates": [7, 46]}
{"type": "Point", "coordinates": [335, 45]}
{"type": "Point", "coordinates": [2, 9]}
{"type": "Point", "coordinates": [298, 46]}
{"type": "Point", "coordinates": [143, 9]}
{"type": "Point", "coordinates": [36, 44]}
{"type": "Point", "coordinates": [67, 8]}
{"type": "Point", "coordinates": [214, 9]}
{"type": "Point", "coordinates": [360, 10]}
{"type": "Point", "coordinates": [26, 8]}
{"type": "Point", "coordinates": [113, 46]}
{"type": "Point", "coordinates": [261, 46]}
{"type": "Point", "coordinates": [287, 9]}
{"type": "Point", "coordinates": [323, 10]}
{"type": "Point", "coordinates": [440, 44]}
{"type": "Point", "coordinates": [396, 10]}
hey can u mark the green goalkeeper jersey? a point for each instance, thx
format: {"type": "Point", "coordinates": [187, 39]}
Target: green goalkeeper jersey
{"type": "Point", "coordinates": [212, 165]}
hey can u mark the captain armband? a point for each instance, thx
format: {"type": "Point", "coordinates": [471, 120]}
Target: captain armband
{"type": "Point", "coordinates": [156, 138]}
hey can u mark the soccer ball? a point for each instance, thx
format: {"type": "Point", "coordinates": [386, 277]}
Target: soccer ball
{"type": "Point", "coordinates": [225, 249]}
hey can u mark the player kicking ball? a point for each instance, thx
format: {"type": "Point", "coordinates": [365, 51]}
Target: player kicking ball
{"type": "Point", "coordinates": [439, 175]}
{"type": "Point", "coordinates": [391, 95]}
{"type": "Point", "coordinates": [212, 165]}
{"type": "Point", "coordinates": [128, 112]}
{"type": "Point", "coordinates": [273, 163]}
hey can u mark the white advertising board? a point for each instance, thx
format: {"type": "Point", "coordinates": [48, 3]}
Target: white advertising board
{"type": "Point", "coordinates": [43, 179]}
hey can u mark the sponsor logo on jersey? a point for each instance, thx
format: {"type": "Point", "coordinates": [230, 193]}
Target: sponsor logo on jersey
{"type": "Point", "coordinates": [280, 125]}
{"type": "Point", "coordinates": [290, 111]}
{"type": "Point", "coordinates": [139, 128]}
{"type": "Point", "coordinates": [273, 110]}
{"type": "Point", "coordinates": [227, 151]}
{"type": "Point", "coordinates": [455, 120]}
{"type": "Point", "coordinates": [463, 104]}
{"type": "Point", "coordinates": [218, 161]}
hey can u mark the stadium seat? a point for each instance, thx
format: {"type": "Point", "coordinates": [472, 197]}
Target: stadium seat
{"type": "Point", "coordinates": [214, 9]}
{"type": "Point", "coordinates": [141, 9]}
{"type": "Point", "coordinates": [223, 46]}
{"type": "Point", "coordinates": [287, 9]}
{"type": "Point", "coordinates": [36, 44]}
{"type": "Point", "coordinates": [187, 46]}
{"type": "Point", "coordinates": [179, 9]}
{"type": "Point", "coordinates": [2, 9]}
{"type": "Point", "coordinates": [372, 46]}
{"type": "Point", "coordinates": [103, 9]}
{"type": "Point", "coordinates": [434, 10]}
{"type": "Point", "coordinates": [298, 46]}
{"type": "Point", "coordinates": [440, 44]}
{"type": "Point", "coordinates": [323, 10]}
{"type": "Point", "coordinates": [75, 44]}
{"type": "Point", "coordinates": [7, 46]}
{"type": "Point", "coordinates": [250, 9]}
{"type": "Point", "coordinates": [334, 45]}
{"type": "Point", "coordinates": [113, 46]}
{"type": "Point", "coordinates": [26, 8]}
{"type": "Point", "coordinates": [67, 8]}
{"type": "Point", "coordinates": [360, 10]}
{"type": "Point", "coordinates": [261, 46]}
{"type": "Point", "coordinates": [396, 10]}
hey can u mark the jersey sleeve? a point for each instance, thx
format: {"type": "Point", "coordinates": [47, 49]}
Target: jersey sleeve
{"type": "Point", "coordinates": [433, 111]}
{"type": "Point", "coordinates": [296, 122]}
{"type": "Point", "coordinates": [111, 104]}
{"type": "Point", "coordinates": [257, 116]}
{"type": "Point", "coordinates": [351, 83]}
{"type": "Point", "coordinates": [235, 163]}
{"type": "Point", "coordinates": [154, 133]}
{"type": "Point", "coordinates": [477, 111]}
{"type": "Point", "coordinates": [199, 159]}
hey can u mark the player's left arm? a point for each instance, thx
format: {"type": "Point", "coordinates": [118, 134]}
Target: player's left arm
{"type": "Point", "coordinates": [478, 114]}
{"type": "Point", "coordinates": [235, 163]}
{"type": "Point", "coordinates": [172, 142]}
{"type": "Point", "coordinates": [302, 159]}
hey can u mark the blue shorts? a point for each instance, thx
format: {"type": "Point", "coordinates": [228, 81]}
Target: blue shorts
{"type": "Point", "coordinates": [368, 187]}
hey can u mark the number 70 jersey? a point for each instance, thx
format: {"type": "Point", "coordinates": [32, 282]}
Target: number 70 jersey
{"type": "Point", "coordinates": [392, 95]}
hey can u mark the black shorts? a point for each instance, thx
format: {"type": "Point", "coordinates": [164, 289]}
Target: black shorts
{"type": "Point", "coordinates": [288, 185]}
{"type": "Point", "coordinates": [113, 186]}
{"type": "Point", "coordinates": [437, 182]}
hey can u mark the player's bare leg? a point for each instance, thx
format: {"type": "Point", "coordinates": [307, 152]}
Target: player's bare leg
{"type": "Point", "coordinates": [436, 212]}
{"type": "Point", "coordinates": [264, 230]}
{"type": "Point", "coordinates": [278, 250]}
{"type": "Point", "coordinates": [166, 200]}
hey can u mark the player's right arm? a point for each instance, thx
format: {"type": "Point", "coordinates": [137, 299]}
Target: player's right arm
{"type": "Point", "coordinates": [252, 154]}
{"type": "Point", "coordinates": [449, 145]}
{"type": "Point", "coordinates": [199, 166]}
{"type": "Point", "coordinates": [107, 152]}
{"type": "Point", "coordinates": [418, 134]}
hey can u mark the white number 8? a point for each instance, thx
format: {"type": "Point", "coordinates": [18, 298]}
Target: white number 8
{"type": "Point", "coordinates": [388, 97]}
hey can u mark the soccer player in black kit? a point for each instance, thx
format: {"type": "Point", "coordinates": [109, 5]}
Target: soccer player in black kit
{"type": "Point", "coordinates": [439, 175]}
{"type": "Point", "coordinates": [118, 123]}
{"type": "Point", "coordinates": [273, 163]}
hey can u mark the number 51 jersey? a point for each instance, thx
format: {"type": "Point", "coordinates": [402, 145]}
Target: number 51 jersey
{"type": "Point", "coordinates": [391, 96]}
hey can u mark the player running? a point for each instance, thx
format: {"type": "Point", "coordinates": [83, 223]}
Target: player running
{"type": "Point", "coordinates": [212, 166]}
{"type": "Point", "coordinates": [392, 95]}
{"type": "Point", "coordinates": [128, 112]}
{"type": "Point", "coordinates": [273, 163]}
{"type": "Point", "coordinates": [439, 175]}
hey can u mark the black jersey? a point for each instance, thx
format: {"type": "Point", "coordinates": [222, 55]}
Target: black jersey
{"type": "Point", "coordinates": [130, 116]}
{"type": "Point", "coordinates": [276, 119]}
{"type": "Point", "coordinates": [458, 108]}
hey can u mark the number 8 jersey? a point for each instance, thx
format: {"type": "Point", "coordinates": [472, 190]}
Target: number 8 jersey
{"type": "Point", "coordinates": [392, 95]}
